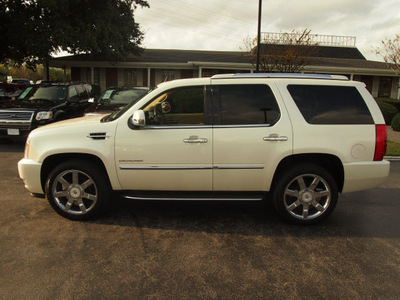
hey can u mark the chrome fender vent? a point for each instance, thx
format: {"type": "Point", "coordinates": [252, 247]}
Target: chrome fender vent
{"type": "Point", "coordinates": [98, 135]}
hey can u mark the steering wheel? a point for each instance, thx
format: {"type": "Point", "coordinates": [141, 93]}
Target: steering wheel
{"type": "Point", "coordinates": [158, 115]}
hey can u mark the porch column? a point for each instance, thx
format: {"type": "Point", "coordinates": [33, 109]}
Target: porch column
{"type": "Point", "coordinates": [148, 77]}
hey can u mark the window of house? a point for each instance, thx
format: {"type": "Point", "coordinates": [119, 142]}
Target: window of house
{"type": "Point", "coordinates": [385, 87]}
{"type": "Point", "coordinates": [88, 75]}
{"type": "Point", "coordinates": [167, 75]}
{"type": "Point", "coordinates": [246, 104]}
{"type": "Point", "coordinates": [96, 76]}
{"type": "Point", "coordinates": [130, 78]}
{"type": "Point", "coordinates": [330, 104]}
{"type": "Point", "coordinates": [181, 106]}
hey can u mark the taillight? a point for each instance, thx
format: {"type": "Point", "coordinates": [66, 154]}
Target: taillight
{"type": "Point", "coordinates": [380, 142]}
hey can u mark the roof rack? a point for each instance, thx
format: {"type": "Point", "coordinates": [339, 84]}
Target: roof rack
{"type": "Point", "coordinates": [280, 75]}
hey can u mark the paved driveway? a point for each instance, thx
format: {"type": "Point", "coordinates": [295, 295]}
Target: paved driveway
{"type": "Point", "coordinates": [197, 250]}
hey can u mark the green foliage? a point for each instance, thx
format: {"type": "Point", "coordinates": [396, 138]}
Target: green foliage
{"type": "Point", "coordinates": [34, 75]}
{"type": "Point", "coordinates": [31, 30]}
{"type": "Point", "coordinates": [394, 102]}
{"type": "Point", "coordinates": [393, 149]}
{"type": "Point", "coordinates": [388, 111]}
{"type": "Point", "coordinates": [396, 122]}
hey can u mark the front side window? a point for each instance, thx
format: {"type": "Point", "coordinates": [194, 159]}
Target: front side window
{"type": "Point", "coordinates": [181, 106]}
{"type": "Point", "coordinates": [246, 104]}
{"type": "Point", "coordinates": [330, 104]}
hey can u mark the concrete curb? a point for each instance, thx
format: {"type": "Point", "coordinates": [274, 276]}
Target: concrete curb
{"type": "Point", "coordinates": [392, 158]}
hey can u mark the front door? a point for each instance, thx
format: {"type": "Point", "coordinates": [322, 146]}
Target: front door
{"type": "Point", "coordinates": [173, 152]}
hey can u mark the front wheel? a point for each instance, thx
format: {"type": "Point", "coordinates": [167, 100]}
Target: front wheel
{"type": "Point", "coordinates": [305, 194]}
{"type": "Point", "coordinates": [78, 190]}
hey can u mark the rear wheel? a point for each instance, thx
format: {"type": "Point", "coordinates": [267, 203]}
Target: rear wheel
{"type": "Point", "coordinates": [305, 194]}
{"type": "Point", "coordinates": [78, 190]}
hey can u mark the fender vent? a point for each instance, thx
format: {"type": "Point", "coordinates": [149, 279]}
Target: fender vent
{"type": "Point", "coordinates": [98, 135]}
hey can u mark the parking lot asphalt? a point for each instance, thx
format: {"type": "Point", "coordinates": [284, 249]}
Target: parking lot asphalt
{"type": "Point", "coordinates": [178, 250]}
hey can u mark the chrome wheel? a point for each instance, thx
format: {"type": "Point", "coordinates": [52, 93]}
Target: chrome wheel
{"type": "Point", "coordinates": [74, 192]}
{"type": "Point", "coordinates": [307, 197]}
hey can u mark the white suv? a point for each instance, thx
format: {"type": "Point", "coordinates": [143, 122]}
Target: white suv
{"type": "Point", "coordinates": [300, 139]}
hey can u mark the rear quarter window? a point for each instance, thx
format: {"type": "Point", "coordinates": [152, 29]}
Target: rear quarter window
{"type": "Point", "coordinates": [321, 104]}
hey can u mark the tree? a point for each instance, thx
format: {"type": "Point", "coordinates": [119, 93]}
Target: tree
{"type": "Point", "coordinates": [284, 52]}
{"type": "Point", "coordinates": [390, 52]}
{"type": "Point", "coordinates": [32, 30]}
{"type": "Point", "coordinates": [55, 74]}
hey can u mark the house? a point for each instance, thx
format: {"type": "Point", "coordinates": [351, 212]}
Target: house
{"type": "Point", "coordinates": [157, 65]}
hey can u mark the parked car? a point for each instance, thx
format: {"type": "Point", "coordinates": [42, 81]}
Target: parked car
{"type": "Point", "coordinates": [297, 139]}
{"type": "Point", "coordinates": [114, 99]}
{"type": "Point", "coordinates": [22, 81]}
{"type": "Point", "coordinates": [10, 91]}
{"type": "Point", "coordinates": [40, 105]}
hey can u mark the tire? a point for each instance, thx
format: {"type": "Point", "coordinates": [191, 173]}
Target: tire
{"type": "Point", "coordinates": [305, 194]}
{"type": "Point", "coordinates": [78, 190]}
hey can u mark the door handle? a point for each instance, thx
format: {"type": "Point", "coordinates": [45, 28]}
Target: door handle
{"type": "Point", "coordinates": [193, 140]}
{"type": "Point", "coordinates": [275, 138]}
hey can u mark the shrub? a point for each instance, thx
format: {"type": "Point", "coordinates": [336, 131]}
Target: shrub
{"type": "Point", "coordinates": [396, 122]}
{"type": "Point", "coordinates": [394, 102]}
{"type": "Point", "coordinates": [388, 111]}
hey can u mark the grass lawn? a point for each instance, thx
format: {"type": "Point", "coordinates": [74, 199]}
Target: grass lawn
{"type": "Point", "coordinates": [393, 149]}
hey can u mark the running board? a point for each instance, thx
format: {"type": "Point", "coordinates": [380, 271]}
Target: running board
{"type": "Point", "coordinates": [191, 199]}
{"type": "Point", "coordinates": [192, 196]}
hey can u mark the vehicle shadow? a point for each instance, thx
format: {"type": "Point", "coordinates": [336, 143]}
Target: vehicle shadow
{"type": "Point", "coordinates": [354, 217]}
{"type": "Point", "coordinates": [8, 145]}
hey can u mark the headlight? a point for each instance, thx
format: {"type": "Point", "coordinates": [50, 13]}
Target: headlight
{"type": "Point", "coordinates": [27, 148]}
{"type": "Point", "coordinates": [44, 115]}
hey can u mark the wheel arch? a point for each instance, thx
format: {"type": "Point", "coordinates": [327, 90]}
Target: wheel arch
{"type": "Point", "coordinates": [50, 162]}
{"type": "Point", "coordinates": [329, 162]}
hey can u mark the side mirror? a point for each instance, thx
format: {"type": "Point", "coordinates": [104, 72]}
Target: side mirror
{"type": "Point", "coordinates": [91, 100]}
{"type": "Point", "coordinates": [139, 118]}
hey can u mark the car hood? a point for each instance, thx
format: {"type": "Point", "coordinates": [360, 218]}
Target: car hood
{"type": "Point", "coordinates": [76, 122]}
{"type": "Point", "coordinates": [28, 104]}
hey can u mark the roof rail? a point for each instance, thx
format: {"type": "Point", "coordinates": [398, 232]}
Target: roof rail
{"type": "Point", "coordinates": [280, 75]}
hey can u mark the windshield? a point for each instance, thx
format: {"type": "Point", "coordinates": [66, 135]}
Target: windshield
{"type": "Point", "coordinates": [121, 97]}
{"type": "Point", "coordinates": [119, 113]}
{"type": "Point", "coordinates": [52, 93]}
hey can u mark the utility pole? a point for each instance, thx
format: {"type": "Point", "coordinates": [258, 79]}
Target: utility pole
{"type": "Point", "coordinates": [258, 36]}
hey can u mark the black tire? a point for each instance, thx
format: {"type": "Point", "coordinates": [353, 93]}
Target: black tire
{"type": "Point", "coordinates": [305, 194]}
{"type": "Point", "coordinates": [78, 190]}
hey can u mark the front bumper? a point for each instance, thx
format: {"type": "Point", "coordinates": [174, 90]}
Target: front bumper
{"type": "Point", "coordinates": [29, 172]}
{"type": "Point", "coordinates": [360, 176]}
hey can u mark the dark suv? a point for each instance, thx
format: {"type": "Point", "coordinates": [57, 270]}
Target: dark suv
{"type": "Point", "coordinates": [43, 104]}
{"type": "Point", "coordinates": [10, 91]}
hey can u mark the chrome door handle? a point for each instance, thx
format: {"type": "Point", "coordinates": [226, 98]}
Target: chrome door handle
{"type": "Point", "coordinates": [193, 140]}
{"type": "Point", "coordinates": [275, 138]}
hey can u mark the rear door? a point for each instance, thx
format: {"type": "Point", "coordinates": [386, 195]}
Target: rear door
{"type": "Point", "coordinates": [251, 134]}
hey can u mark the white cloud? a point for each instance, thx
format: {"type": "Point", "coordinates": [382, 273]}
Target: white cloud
{"type": "Point", "coordinates": [223, 24]}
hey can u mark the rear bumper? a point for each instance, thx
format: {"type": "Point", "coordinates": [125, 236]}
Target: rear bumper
{"type": "Point", "coordinates": [29, 171]}
{"type": "Point", "coordinates": [364, 175]}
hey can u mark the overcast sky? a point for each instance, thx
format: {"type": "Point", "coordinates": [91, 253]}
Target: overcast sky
{"type": "Point", "coordinates": [223, 24]}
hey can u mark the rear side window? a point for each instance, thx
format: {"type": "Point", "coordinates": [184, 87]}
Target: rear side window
{"type": "Point", "coordinates": [330, 104]}
{"type": "Point", "coordinates": [246, 104]}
